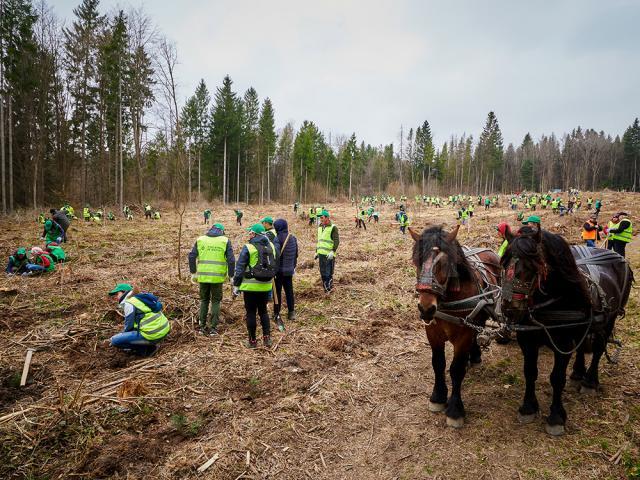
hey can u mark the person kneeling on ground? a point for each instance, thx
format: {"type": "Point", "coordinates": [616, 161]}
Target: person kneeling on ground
{"type": "Point", "coordinates": [40, 262]}
{"type": "Point", "coordinates": [56, 252]}
{"type": "Point", "coordinates": [256, 267]}
{"type": "Point", "coordinates": [18, 262]}
{"type": "Point", "coordinates": [145, 326]}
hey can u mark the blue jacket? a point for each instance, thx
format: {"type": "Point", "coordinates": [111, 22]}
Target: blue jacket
{"type": "Point", "coordinates": [231, 259]}
{"type": "Point", "coordinates": [133, 315]}
{"type": "Point", "coordinates": [289, 256]}
{"type": "Point", "coordinates": [243, 258]}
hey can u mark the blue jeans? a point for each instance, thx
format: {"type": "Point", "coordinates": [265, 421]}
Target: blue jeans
{"type": "Point", "coordinates": [34, 269]}
{"type": "Point", "coordinates": [134, 341]}
{"type": "Point", "coordinates": [591, 243]}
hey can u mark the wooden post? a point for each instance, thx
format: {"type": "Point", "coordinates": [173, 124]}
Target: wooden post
{"type": "Point", "coordinates": [25, 369]}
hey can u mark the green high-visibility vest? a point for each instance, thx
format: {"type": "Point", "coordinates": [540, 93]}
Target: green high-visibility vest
{"type": "Point", "coordinates": [625, 235]}
{"type": "Point", "coordinates": [211, 264]}
{"type": "Point", "coordinates": [57, 253]}
{"type": "Point", "coordinates": [318, 211]}
{"type": "Point", "coordinates": [312, 213]}
{"type": "Point", "coordinates": [85, 212]}
{"type": "Point", "coordinates": [503, 248]}
{"type": "Point", "coordinates": [253, 284]}
{"type": "Point", "coordinates": [325, 243]}
{"type": "Point", "coordinates": [154, 325]}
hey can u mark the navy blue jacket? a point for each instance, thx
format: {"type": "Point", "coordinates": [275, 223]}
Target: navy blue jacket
{"type": "Point", "coordinates": [231, 259]}
{"type": "Point", "coordinates": [243, 258]}
{"type": "Point", "coordinates": [289, 256]}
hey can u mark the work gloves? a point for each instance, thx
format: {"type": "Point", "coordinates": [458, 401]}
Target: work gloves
{"type": "Point", "coordinates": [331, 256]}
{"type": "Point", "coordinates": [235, 291]}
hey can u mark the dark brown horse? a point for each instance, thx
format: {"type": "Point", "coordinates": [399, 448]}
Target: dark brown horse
{"type": "Point", "coordinates": [450, 287]}
{"type": "Point", "coordinates": [560, 296]}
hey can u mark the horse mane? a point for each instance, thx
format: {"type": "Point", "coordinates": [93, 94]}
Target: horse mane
{"type": "Point", "coordinates": [437, 237]}
{"type": "Point", "coordinates": [554, 260]}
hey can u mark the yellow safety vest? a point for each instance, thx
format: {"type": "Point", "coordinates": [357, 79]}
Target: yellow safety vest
{"type": "Point", "coordinates": [625, 235]}
{"type": "Point", "coordinates": [212, 261]}
{"type": "Point", "coordinates": [253, 284]}
{"type": "Point", "coordinates": [154, 325]}
{"type": "Point", "coordinates": [325, 243]}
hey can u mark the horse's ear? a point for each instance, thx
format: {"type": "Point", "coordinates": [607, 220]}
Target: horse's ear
{"type": "Point", "coordinates": [508, 234]}
{"type": "Point", "coordinates": [414, 235]}
{"type": "Point", "coordinates": [453, 234]}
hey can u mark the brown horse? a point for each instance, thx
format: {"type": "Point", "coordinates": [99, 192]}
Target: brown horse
{"type": "Point", "coordinates": [451, 283]}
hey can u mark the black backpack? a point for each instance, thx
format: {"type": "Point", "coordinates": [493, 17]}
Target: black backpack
{"type": "Point", "coordinates": [266, 267]}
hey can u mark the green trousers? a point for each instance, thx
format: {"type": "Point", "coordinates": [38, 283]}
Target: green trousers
{"type": "Point", "coordinates": [210, 293]}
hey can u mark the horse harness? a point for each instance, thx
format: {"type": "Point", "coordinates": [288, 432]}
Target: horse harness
{"type": "Point", "coordinates": [483, 300]}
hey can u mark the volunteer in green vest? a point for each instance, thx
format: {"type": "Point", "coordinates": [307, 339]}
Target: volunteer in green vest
{"type": "Point", "coordinates": [56, 252]}
{"type": "Point", "coordinates": [312, 215]}
{"type": "Point", "coordinates": [86, 213]}
{"type": "Point", "coordinates": [256, 267]}
{"type": "Point", "coordinates": [270, 232]}
{"type": "Point", "coordinates": [620, 233]}
{"type": "Point", "coordinates": [328, 241]}
{"type": "Point", "coordinates": [18, 262]}
{"type": "Point", "coordinates": [211, 262]}
{"type": "Point", "coordinates": [145, 326]}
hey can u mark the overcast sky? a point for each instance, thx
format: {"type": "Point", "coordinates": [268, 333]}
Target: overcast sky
{"type": "Point", "coordinates": [370, 66]}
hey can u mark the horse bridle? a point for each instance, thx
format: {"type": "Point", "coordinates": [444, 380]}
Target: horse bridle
{"type": "Point", "coordinates": [427, 281]}
{"type": "Point", "coordinates": [515, 289]}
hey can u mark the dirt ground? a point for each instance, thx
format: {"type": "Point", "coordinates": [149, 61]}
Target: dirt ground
{"type": "Point", "coordinates": [342, 394]}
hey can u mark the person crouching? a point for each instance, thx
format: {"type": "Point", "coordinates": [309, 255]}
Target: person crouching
{"type": "Point", "coordinates": [145, 326]}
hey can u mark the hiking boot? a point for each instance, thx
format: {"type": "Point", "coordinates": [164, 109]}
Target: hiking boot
{"type": "Point", "coordinates": [252, 343]}
{"type": "Point", "coordinates": [291, 315]}
{"type": "Point", "coordinates": [267, 340]}
{"type": "Point", "coordinates": [202, 330]}
{"type": "Point", "coordinates": [213, 332]}
{"type": "Point", "coordinates": [279, 323]}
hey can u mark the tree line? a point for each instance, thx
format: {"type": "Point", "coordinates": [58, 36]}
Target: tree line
{"type": "Point", "coordinates": [91, 112]}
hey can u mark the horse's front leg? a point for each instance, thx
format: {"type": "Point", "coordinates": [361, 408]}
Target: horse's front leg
{"type": "Point", "coordinates": [590, 382]}
{"type": "Point", "coordinates": [558, 378]}
{"type": "Point", "coordinates": [461, 349]}
{"type": "Point", "coordinates": [437, 339]}
{"type": "Point", "coordinates": [530, 407]}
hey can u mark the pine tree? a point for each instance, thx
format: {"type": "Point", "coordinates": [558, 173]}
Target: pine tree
{"type": "Point", "coordinates": [195, 119]}
{"type": "Point", "coordinates": [81, 45]}
{"type": "Point", "coordinates": [225, 129]}
{"type": "Point", "coordinates": [631, 146]}
{"type": "Point", "coordinates": [267, 145]}
{"type": "Point", "coordinates": [489, 153]}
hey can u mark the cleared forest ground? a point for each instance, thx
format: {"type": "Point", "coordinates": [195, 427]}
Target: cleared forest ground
{"type": "Point", "coordinates": [342, 394]}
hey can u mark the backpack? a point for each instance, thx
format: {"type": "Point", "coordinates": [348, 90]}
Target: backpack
{"type": "Point", "coordinates": [266, 267]}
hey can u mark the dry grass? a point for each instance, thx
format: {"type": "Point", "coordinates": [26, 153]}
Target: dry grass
{"type": "Point", "coordinates": [342, 394]}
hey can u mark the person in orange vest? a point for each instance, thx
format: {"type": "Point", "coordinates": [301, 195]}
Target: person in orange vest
{"type": "Point", "coordinates": [591, 231]}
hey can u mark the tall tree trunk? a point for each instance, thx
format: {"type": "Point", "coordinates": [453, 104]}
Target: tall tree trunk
{"type": "Point", "coordinates": [224, 174]}
{"type": "Point", "coordinates": [199, 157]}
{"type": "Point", "coordinates": [10, 144]}
{"type": "Point", "coordinates": [4, 191]}
{"type": "Point", "coordinates": [351, 174]}
{"type": "Point", "coordinates": [189, 174]}
{"type": "Point", "coordinates": [238, 180]}
{"type": "Point", "coordinates": [268, 176]}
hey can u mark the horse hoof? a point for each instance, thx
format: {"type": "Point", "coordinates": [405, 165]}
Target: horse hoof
{"type": "Point", "coordinates": [555, 430]}
{"type": "Point", "coordinates": [437, 407]}
{"type": "Point", "coordinates": [455, 422]}
{"type": "Point", "coordinates": [525, 419]}
{"type": "Point", "coordinates": [588, 390]}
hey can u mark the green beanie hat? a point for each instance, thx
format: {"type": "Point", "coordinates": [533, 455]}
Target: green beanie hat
{"type": "Point", "coordinates": [121, 287]}
{"type": "Point", "coordinates": [48, 224]}
{"type": "Point", "coordinates": [219, 226]}
{"type": "Point", "coordinates": [21, 251]}
{"type": "Point", "coordinates": [267, 220]}
{"type": "Point", "coordinates": [256, 228]}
